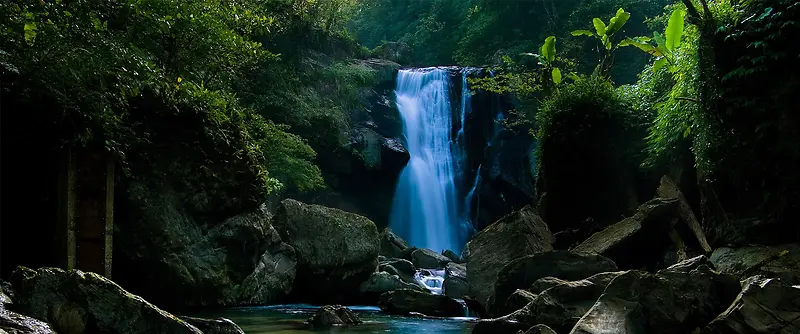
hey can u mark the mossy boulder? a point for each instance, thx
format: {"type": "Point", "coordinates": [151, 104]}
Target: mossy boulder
{"type": "Point", "coordinates": [76, 302]}
{"type": "Point", "coordinates": [336, 251]}
{"type": "Point", "coordinates": [514, 236]}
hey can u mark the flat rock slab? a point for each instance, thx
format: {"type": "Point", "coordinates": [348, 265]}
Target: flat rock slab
{"type": "Point", "coordinates": [764, 306]}
{"type": "Point", "coordinates": [404, 302]}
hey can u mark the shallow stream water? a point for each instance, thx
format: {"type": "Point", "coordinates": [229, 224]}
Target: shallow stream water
{"type": "Point", "coordinates": [288, 319]}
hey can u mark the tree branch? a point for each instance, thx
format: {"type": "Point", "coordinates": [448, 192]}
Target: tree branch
{"type": "Point", "coordinates": [693, 13]}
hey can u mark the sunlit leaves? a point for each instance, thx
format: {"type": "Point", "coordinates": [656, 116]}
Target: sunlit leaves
{"type": "Point", "coordinates": [30, 32]}
{"type": "Point", "coordinates": [556, 75]}
{"type": "Point", "coordinates": [599, 26]}
{"type": "Point", "coordinates": [549, 49]}
{"type": "Point", "coordinates": [674, 30]}
{"type": "Point", "coordinates": [582, 33]}
{"type": "Point", "coordinates": [618, 21]}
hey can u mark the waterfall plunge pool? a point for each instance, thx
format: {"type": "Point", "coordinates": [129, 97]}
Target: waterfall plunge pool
{"type": "Point", "coordinates": [288, 319]}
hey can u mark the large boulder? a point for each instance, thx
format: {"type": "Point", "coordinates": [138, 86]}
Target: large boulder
{"type": "Point", "coordinates": [559, 306]}
{"type": "Point", "coordinates": [525, 271]}
{"type": "Point", "coordinates": [336, 250]}
{"type": "Point", "coordinates": [15, 323]}
{"type": "Point", "coordinates": [75, 302]}
{"type": "Point", "coordinates": [670, 301]}
{"type": "Point", "coordinates": [428, 259]}
{"type": "Point", "coordinates": [782, 261]}
{"type": "Point", "coordinates": [516, 235]}
{"type": "Point", "coordinates": [765, 305]}
{"type": "Point", "coordinates": [380, 282]}
{"type": "Point", "coordinates": [540, 329]}
{"type": "Point", "coordinates": [333, 315]}
{"type": "Point", "coordinates": [213, 326]}
{"type": "Point", "coordinates": [669, 189]}
{"type": "Point", "coordinates": [455, 280]}
{"type": "Point", "coordinates": [392, 244]}
{"type": "Point", "coordinates": [170, 258]}
{"type": "Point", "coordinates": [405, 302]}
{"type": "Point", "coordinates": [639, 240]}
{"type": "Point", "coordinates": [403, 268]}
{"type": "Point", "coordinates": [519, 299]}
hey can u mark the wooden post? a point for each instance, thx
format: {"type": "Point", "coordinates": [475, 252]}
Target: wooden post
{"type": "Point", "coordinates": [87, 211]}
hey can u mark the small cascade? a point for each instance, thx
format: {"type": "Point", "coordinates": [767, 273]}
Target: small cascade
{"type": "Point", "coordinates": [431, 279]}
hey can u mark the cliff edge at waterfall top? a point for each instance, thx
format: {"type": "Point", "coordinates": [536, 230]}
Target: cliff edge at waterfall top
{"type": "Point", "coordinates": [362, 166]}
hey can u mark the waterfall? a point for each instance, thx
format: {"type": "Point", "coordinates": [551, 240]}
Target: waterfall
{"type": "Point", "coordinates": [425, 210]}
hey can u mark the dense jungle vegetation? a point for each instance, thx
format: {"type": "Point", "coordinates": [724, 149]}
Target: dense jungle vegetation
{"type": "Point", "coordinates": [232, 100]}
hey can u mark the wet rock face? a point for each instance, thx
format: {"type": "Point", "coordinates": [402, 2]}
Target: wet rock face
{"type": "Point", "coordinates": [455, 281]}
{"type": "Point", "coordinates": [765, 305]}
{"type": "Point", "coordinates": [167, 256]}
{"type": "Point", "coordinates": [213, 326]}
{"type": "Point", "coordinates": [75, 302]}
{"type": "Point", "coordinates": [428, 259]}
{"type": "Point", "coordinates": [404, 302]}
{"type": "Point", "coordinates": [781, 261]}
{"type": "Point", "coordinates": [336, 251]}
{"type": "Point", "coordinates": [333, 315]}
{"type": "Point", "coordinates": [666, 302]}
{"type": "Point", "coordinates": [636, 241]}
{"type": "Point", "coordinates": [392, 245]}
{"type": "Point", "coordinates": [381, 282]}
{"type": "Point", "coordinates": [525, 271]}
{"type": "Point", "coordinates": [516, 235]}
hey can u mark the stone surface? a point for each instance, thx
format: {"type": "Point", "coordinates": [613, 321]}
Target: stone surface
{"type": "Point", "coordinates": [764, 306]}
{"type": "Point", "coordinates": [174, 260]}
{"type": "Point", "coordinates": [214, 326]}
{"type": "Point", "coordinates": [333, 315]}
{"type": "Point", "coordinates": [381, 282]}
{"type": "Point", "coordinates": [782, 261]}
{"type": "Point", "coordinates": [400, 267]}
{"type": "Point", "coordinates": [519, 299]}
{"type": "Point", "coordinates": [516, 235]}
{"type": "Point", "coordinates": [636, 241]}
{"type": "Point", "coordinates": [407, 301]}
{"type": "Point", "coordinates": [336, 251]}
{"type": "Point", "coordinates": [559, 306]}
{"type": "Point", "coordinates": [428, 259]}
{"type": "Point", "coordinates": [452, 256]}
{"type": "Point", "coordinates": [455, 281]}
{"type": "Point", "coordinates": [15, 323]}
{"type": "Point", "coordinates": [540, 329]}
{"type": "Point", "coordinates": [391, 244]}
{"type": "Point", "coordinates": [665, 302]}
{"type": "Point", "coordinates": [525, 271]}
{"type": "Point", "coordinates": [75, 302]}
{"type": "Point", "coordinates": [669, 189]}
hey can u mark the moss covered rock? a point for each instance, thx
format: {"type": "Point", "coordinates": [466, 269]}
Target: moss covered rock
{"type": "Point", "coordinates": [336, 250]}
{"type": "Point", "coordinates": [76, 302]}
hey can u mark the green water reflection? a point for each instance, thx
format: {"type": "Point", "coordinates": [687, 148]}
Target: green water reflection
{"type": "Point", "coordinates": [286, 319]}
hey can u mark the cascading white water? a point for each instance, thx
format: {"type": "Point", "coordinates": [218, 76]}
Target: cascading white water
{"type": "Point", "coordinates": [425, 210]}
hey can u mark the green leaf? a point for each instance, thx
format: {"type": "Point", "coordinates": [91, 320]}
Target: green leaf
{"type": "Point", "coordinates": [556, 75]}
{"type": "Point", "coordinates": [674, 30]}
{"type": "Point", "coordinates": [582, 33]}
{"type": "Point", "coordinates": [618, 21]}
{"type": "Point", "coordinates": [599, 26]}
{"type": "Point", "coordinates": [687, 132]}
{"type": "Point", "coordinates": [573, 76]}
{"type": "Point", "coordinates": [658, 38]}
{"type": "Point", "coordinates": [549, 49]}
{"type": "Point", "coordinates": [30, 32]}
{"type": "Point", "coordinates": [642, 45]}
{"type": "Point", "coordinates": [659, 64]}
{"type": "Point", "coordinates": [606, 42]}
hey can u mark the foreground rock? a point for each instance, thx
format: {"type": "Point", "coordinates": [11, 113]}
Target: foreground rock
{"type": "Point", "coordinates": [404, 302]}
{"type": "Point", "coordinates": [636, 241]}
{"type": "Point", "coordinates": [213, 326]}
{"type": "Point", "coordinates": [333, 315]}
{"type": "Point", "coordinates": [669, 189]}
{"type": "Point", "coordinates": [782, 261]}
{"type": "Point", "coordinates": [403, 268]}
{"type": "Point", "coordinates": [666, 302]}
{"type": "Point", "coordinates": [559, 306]}
{"type": "Point", "coordinates": [540, 329]}
{"type": "Point", "coordinates": [525, 271]}
{"type": "Point", "coordinates": [428, 259]}
{"type": "Point", "coordinates": [381, 282]}
{"type": "Point", "coordinates": [455, 281]}
{"type": "Point", "coordinates": [76, 302]}
{"type": "Point", "coordinates": [15, 323]}
{"type": "Point", "coordinates": [519, 234]}
{"type": "Point", "coordinates": [172, 260]}
{"type": "Point", "coordinates": [764, 306]}
{"type": "Point", "coordinates": [336, 251]}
